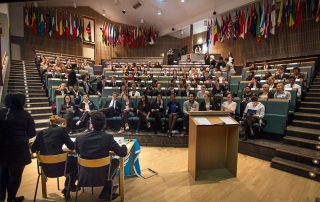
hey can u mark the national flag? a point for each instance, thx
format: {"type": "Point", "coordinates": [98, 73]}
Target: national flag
{"type": "Point", "coordinates": [246, 22]}
{"type": "Point", "coordinates": [38, 19]}
{"type": "Point", "coordinates": [75, 22]}
{"type": "Point", "coordinates": [272, 22]}
{"type": "Point", "coordinates": [71, 28]}
{"type": "Point", "coordinates": [88, 29]}
{"type": "Point", "coordinates": [222, 29]}
{"type": "Point", "coordinates": [45, 21]}
{"type": "Point", "coordinates": [267, 21]}
{"type": "Point", "coordinates": [83, 29]}
{"type": "Point", "coordinates": [49, 22]}
{"type": "Point", "coordinates": [26, 15]}
{"type": "Point", "coordinates": [230, 25]}
{"type": "Point", "coordinates": [292, 19]}
{"type": "Point", "coordinates": [216, 32]}
{"type": "Point", "coordinates": [80, 29]}
{"type": "Point", "coordinates": [60, 25]}
{"type": "Point", "coordinates": [287, 8]}
{"type": "Point", "coordinates": [258, 32]}
{"type": "Point", "coordinates": [263, 20]}
{"type": "Point", "coordinates": [236, 26]}
{"type": "Point", "coordinates": [298, 13]}
{"type": "Point", "coordinates": [57, 24]}
{"type": "Point", "coordinates": [53, 26]}
{"type": "Point", "coordinates": [241, 25]}
{"type": "Point", "coordinates": [41, 29]}
{"type": "Point", "coordinates": [30, 15]}
{"type": "Point", "coordinates": [208, 33]}
{"type": "Point", "coordinates": [280, 14]}
{"type": "Point", "coordinates": [66, 28]}
{"type": "Point", "coordinates": [253, 23]}
{"type": "Point", "coordinates": [34, 22]}
{"type": "Point", "coordinates": [77, 26]}
{"type": "Point", "coordinates": [318, 13]}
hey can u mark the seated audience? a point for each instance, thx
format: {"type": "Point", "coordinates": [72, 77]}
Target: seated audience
{"type": "Point", "coordinates": [265, 66]}
{"type": "Point", "coordinates": [210, 83]}
{"type": "Point", "coordinates": [254, 83]}
{"type": "Point", "coordinates": [266, 76]}
{"type": "Point", "coordinates": [253, 112]}
{"type": "Point", "coordinates": [171, 90]}
{"type": "Point", "coordinates": [207, 103]}
{"type": "Point", "coordinates": [281, 93]}
{"type": "Point", "coordinates": [113, 82]}
{"type": "Point", "coordinates": [143, 112]}
{"type": "Point", "coordinates": [253, 67]}
{"type": "Point", "coordinates": [298, 75]}
{"type": "Point", "coordinates": [148, 91]}
{"type": "Point", "coordinates": [112, 107]}
{"type": "Point", "coordinates": [250, 76]}
{"type": "Point", "coordinates": [189, 105]}
{"type": "Point", "coordinates": [281, 74]}
{"type": "Point", "coordinates": [265, 92]}
{"type": "Point", "coordinates": [246, 97]}
{"type": "Point", "coordinates": [271, 83]}
{"type": "Point", "coordinates": [62, 90]}
{"type": "Point", "coordinates": [134, 91]}
{"type": "Point", "coordinates": [187, 90]}
{"type": "Point", "coordinates": [85, 108]}
{"type": "Point", "coordinates": [49, 142]}
{"type": "Point", "coordinates": [123, 90]}
{"type": "Point", "coordinates": [156, 108]}
{"type": "Point", "coordinates": [97, 144]}
{"type": "Point", "coordinates": [67, 110]}
{"type": "Point", "coordinates": [173, 111]}
{"type": "Point", "coordinates": [87, 87]}
{"type": "Point", "coordinates": [229, 105]}
{"type": "Point", "coordinates": [202, 92]}
{"type": "Point", "coordinates": [139, 84]}
{"type": "Point", "coordinates": [159, 90]}
{"type": "Point", "coordinates": [76, 95]}
{"type": "Point", "coordinates": [165, 72]}
{"type": "Point", "coordinates": [101, 84]}
{"type": "Point", "coordinates": [127, 110]}
{"type": "Point", "coordinates": [292, 84]}
{"type": "Point", "coordinates": [218, 88]}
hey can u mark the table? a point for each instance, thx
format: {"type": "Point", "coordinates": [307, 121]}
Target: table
{"type": "Point", "coordinates": [123, 161]}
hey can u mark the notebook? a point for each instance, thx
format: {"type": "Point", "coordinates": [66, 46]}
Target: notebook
{"type": "Point", "coordinates": [251, 111]}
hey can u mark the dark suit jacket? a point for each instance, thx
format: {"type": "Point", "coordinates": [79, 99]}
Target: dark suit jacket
{"type": "Point", "coordinates": [203, 78]}
{"type": "Point", "coordinates": [258, 85]}
{"type": "Point", "coordinates": [270, 94]}
{"type": "Point", "coordinates": [268, 67]}
{"type": "Point", "coordinates": [220, 64]}
{"type": "Point", "coordinates": [14, 135]}
{"type": "Point", "coordinates": [157, 93]}
{"type": "Point", "coordinates": [72, 78]}
{"type": "Point", "coordinates": [208, 85]}
{"type": "Point", "coordinates": [168, 93]}
{"type": "Point", "coordinates": [90, 90]}
{"type": "Point", "coordinates": [63, 108]}
{"type": "Point", "coordinates": [177, 105]}
{"type": "Point", "coordinates": [279, 77]}
{"type": "Point", "coordinates": [184, 93]}
{"type": "Point", "coordinates": [202, 106]}
{"type": "Point", "coordinates": [97, 144]}
{"type": "Point", "coordinates": [57, 76]}
{"type": "Point", "coordinates": [215, 90]}
{"type": "Point", "coordinates": [77, 98]}
{"type": "Point", "coordinates": [117, 109]}
{"type": "Point", "coordinates": [110, 84]}
{"type": "Point", "coordinates": [100, 87]}
{"type": "Point", "coordinates": [58, 92]}
{"type": "Point", "coordinates": [141, 85]}
{"type": "Point", "coordinates": [91, 105]}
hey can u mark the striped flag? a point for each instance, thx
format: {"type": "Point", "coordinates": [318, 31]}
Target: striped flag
{"type": "Point", "coordinates": [272, 22]}
{"type": "Point", "coordinates": [280, 14]}
{"type": "Point", "coordinates": [216, 32]}
{"type": "Point", "coordinates": [222, 29]}
{"type": "Point", "coordinates": [230, 25]}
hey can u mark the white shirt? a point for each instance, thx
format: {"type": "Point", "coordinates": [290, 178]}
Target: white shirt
{"type": "Point", "coordinates": [135, 94]}
{"type": "Point", "coordinates": [294, 86]}
{"type": "Point", "coordinates": [259, 107]}
{"type": "Point", "coordinates": [232, 106]}
{"type": "Point", "coordinates": [112, 103]}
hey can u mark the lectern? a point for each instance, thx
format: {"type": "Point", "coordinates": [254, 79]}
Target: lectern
{"type": "Point", "coordinates": [213, 142]}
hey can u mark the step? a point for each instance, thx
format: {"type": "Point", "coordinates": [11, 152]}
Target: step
{"type": "Point", "coordinates": [310, 104]}
{"type": "Point", "coordinates": [41, 116]}
{"type": "Point", "coordinates": [42, 123]}
{"type": "Point", "coordinates": [297, 158]}
{"type": "Point", "coordinates": [306, 124]}
{"type": "Point", "coordinates": [38, 110]}
{"type": "Point", "coordinates": [22, 80]}
{"type": "Point", "coordinates": [299, 151]}
{"type": "Point", "coordinates": [313, 94]}
{"type": "Point", "coordinates": [39, 85]}
{"type": "Point", "coordinates": [30, 90]}
{"type": "Point", "coordinates": [314, 86]}
{"type": "Point", "coordinates": [38, 104]}
{"type": "Point", "coordinates": [38, 129]}
{"type": "Point", "coordinates": [307, 116]}
{"type": "Point", "coordinates": [309, 133]}
{"type": "Point", "coordinates": [22, 77]}
{"type": "Point", "coordinates": [23, 87]}
{"type": "Point", "coordinates": [309, 110]}
{"type": "Point", "coordinates": [296, 168]}
{"type": "Point", "coordinates": [35, 94]}
{"type": "Point", "coordinates": [312, 99]}
{"type": "Point", "coordinates": [302, 142]}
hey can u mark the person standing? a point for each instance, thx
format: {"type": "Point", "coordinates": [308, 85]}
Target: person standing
{"type": "Point", "coordinates": [72, 76]}
{"type": "Point", "coordinates": [17, 127]}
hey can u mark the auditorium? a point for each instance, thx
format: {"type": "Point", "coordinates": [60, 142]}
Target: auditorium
{"type": "Point", "coordinates": [159, 100]}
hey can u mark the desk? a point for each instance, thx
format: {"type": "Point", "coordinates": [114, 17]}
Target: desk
{"type": "Point", "coordinates": [130, 145]}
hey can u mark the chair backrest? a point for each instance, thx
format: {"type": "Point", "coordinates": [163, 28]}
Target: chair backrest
{"type": "Point", "coordinates": [94, 163]}
{"type": "Point", "coordinates": [52, 159]}
{"type": "Point", "coordinates": [51, 164]}
{"type": "Point", "coordinates": [278, 106]}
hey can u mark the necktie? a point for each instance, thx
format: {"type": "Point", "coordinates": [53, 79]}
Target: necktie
{"type": "Point", "coordinates": [114, 84]}
{"type": "Point", "coordinates": [291, 85]}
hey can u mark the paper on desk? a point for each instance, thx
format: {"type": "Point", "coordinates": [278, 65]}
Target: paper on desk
{"type": "Point", "coordinates": [72, 139]}
{"type": "Point", "coordinates": [117, 139]}
{"type": "Point", "coordinates": [227, 120]}
{"type": "Point", "coordinates": [202, 121]}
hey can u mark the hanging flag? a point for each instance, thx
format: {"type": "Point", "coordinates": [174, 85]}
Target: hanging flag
{"type": "Point", "coordinates": [38, 19]}
{"type": "Point", "coordinates": [77, 26]}
{"type": "Point", "coordinates": [34, 22]}
{"type": "Point", "coordinates": [30, 15]}
{"type": "Point", "coordinates": [57, 24]}
{"type": "Point", "coordinates": [60, 25]}
{"type": "Point", "coordinates": [263, 20]}
{"type": "Point", "coordinates": [53, 26]}
{"type": "Point", "coordinates": [208, 33]}
{"type": "Point", "coordinates": [280, 14]}
{"type": "Point", "coordinates": [287, 8]}
{"type": "Point", "coordinates": [292, 19]}
{"type": "Point", "coordinates": [49, 22]}
{"type": "Point", "coordinates": [26, 15]}
{"type": "Point", "coordinates": [298, 13]}
{"type": "Point", "coordinates": [71, 27]}
{"type": "Point", "coordinates": [267, 21]}
{"type": "Point", "coordinates": [74, 27]}
{"type": "Point", "coordinates": [272, 22]}
{"type": "Point", "coordinates": [318, 13]}
{"type": "Point", "coordinates": [80, 28]}
{"type": "Point", "coordinates": [222, 29]}
{"type": "Point", "coordinates": [246, 22]}
{"type": "Point", "coordinates": [41, 30]}
{"type": "Point", "coordinates": [216, 32]}
{"type": "Point", "coordinates": [236, 26]}
{"type": "Point", "coordinates": [45, 21]}
{"type": "Point", "coordinates": [66, 27]}
{"type": "Point", "coordinates": [253, 24]}
{"type": "Point", "coordinates": [83, 39]}
{"type": "Point", "coordinates": [88, 29]}
{"type": "Point", "coordinates": [258, 33]}
{"type": "Point", "coordinates": [230, 25]}
{"type": "Point", "coordinates": [241, 25]}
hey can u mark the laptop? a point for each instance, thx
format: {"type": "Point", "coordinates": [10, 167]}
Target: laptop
{"type": "Point", "coordinates": [251, 111]}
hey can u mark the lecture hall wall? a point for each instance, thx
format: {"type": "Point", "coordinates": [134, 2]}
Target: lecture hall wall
{"type": "Point", "coordinates": [286, 42]}
{"type": "Point", "coordinates": [74, 47]}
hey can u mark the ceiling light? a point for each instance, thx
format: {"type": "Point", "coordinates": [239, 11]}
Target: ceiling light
{"type": "Point", "coordinates": [205, 23]}
{"type": "Point", "coordinates": [142, 21]}
{"type": "Point", "coordinates": [74, 5]}
{"type": "Point", "coordinates": [159, 11]}
{"type": "Point", "coordinates": [181, 32]}
{"type": "Point", "coordinates": [116, 2]}
{"type": "Point", "coordinates": [103, 12]}
{"type": "Point", "coordinates": [182, 1]}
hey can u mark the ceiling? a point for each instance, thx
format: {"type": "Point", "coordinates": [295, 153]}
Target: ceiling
{"type": "Point", "coordinates": [174, 13]}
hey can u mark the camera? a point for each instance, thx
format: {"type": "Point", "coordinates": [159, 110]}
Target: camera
{"type": "Point", "coordinates": [123, 11]}
{"type": "Point", "coordinates": [172, 29]}
{"type": "Point", "coordinates": [214, 13]}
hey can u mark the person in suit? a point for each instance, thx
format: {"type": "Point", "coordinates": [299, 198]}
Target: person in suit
{"type": "Point", "coordinates": [125, 82]}
{"type": "Point", "coordinates": [173, 111]}
{"type": "Point", "coordinates": [205, 76]}
{"type": "Point", "coordinates": [17, 127]}
{"type": "Point", "coordinates": [127, 110]}
{"type": "Point", "coordinates": [101, 84]}
{"type": "Point", "coordinates": [171, 90]}
{"type": "Point", "coordinates": [113, 82]}
{"type": "Point", "coordinates": [62, 90]}
{"type": "Point", "coordinates": [265, 93]}
{"type": "Point", "coordinates": [207, 103]}
{"type": "Point", "coordinates": [112, 107]}
{"type": "Point", "coordinates": [210, 83]}
{"type": "Point", "coordinates": [87, 87]}
{"type": "Point", "coordinates": [297, 74]}
{"type": "Point", "coordinates": [53, 74]}
{"type": "Point", "coordinates": [187, 90]}
{"type": "Point", "coordinates": [266, 66]}
{"type": "Point", "coordinates": [156, 108]}
{"type": "Point", "coordinates": [139, 84]}
{"type": "Point", "coordinates": [266, 75]}
{"type": "Point", "coordinates": [281, 75]}
{"type": "Point", "coordinates": [72, 77]}
{"type": "Point", "coordinates": [96, 144]}
{"type": "Point", "coordinates": [220, 64]}
{"type": "Point", "coordinates": [148, 91]}
{"type": "Point", "coordinates": [143, 112]}
{"type": "Point", "coordinates": [165, 72]}
{"type": "Point", "coordinates": [254, 83]}
{"type": "Point", "coordinates": [76, 94]}
{"type": "Point", "coordinates": [159, 90]}
{"type": "Point", "coordinates": [85, 108]}
{"type": "Point", "coordinates": [218, 88]}
{"type": "Point", "coordinates": [49, 142]}
{"type": "Point", "coordinates": [207, 59]}
{"type": "Point", "coordinates": [67, 109]}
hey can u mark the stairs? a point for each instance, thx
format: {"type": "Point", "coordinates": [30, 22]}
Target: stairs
{"type": "Point", "coordinates": [24, 78]}
{"type": "Point", "coordinates": [300, 153]}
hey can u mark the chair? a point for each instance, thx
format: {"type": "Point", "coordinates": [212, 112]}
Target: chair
{"type": "Point", "coordinates": [52, 160]}
{"type": "Point", "coordinates": [94, 173]}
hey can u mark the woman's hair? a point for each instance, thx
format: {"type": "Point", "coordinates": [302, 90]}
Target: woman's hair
{"type": "Point", "coordinates": [15, 100]}
{"type": "Point", "coordinates": [209, 95]}
{"type": "Point", "coordinates": [254, 98]}
{"type": "Point", "coordinates": [230, 95]}
{"type": "Point", "coordinates": [145, 99]}
{"type": "Point", "coordinates": [56, 119]}
{"type": "Point", "coordinates": [64, 99]}
{"type": "Point", "coordinates": [86, 95]}
{"type": "Point", "coordinates": [266, 85]}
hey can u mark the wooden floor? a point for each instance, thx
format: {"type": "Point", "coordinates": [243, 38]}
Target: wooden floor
{"type": "Point", "coordinates": [256, 181]}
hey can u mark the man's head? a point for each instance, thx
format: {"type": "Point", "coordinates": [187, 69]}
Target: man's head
{"type": "Point", "coordinates": [210, 79]}
{"type": "Point", "coordinates": [192, 95]}
{"type": "Point", "coordinates": [218, 73]}
{"type": "Point", "coordinates": [206, 73]}
{"type": "Point", "coordinates": [138, 80]}
{"type": "Point", "coordinates": [197, 81]}
{"type": "Point", "coordinates": [254, 98]}
{"type": "Point", "coordinates": [75, 87]}
{"type": "Point", "coordinates": [172, 97]}
{"type": "Point", "coordinates": [292, 80]}
{"type": "Point", "coordinates": [159, 87]}
{"type": "Point", "coordinates": [296, 70]}
{"type": "Point", "coordinates": [133, 86]}
{"type": "Point", "coordinates": [103, 78]}
{"type": "Point", "coordinates": [114, 95]}
{"type": "Point", "coordinates": [113, 79]}
{"type": "Point", "coordinates": [98, 121]}
{"type": "Point", "coordinates": [265, 63]}
{"type": "Point", "coordinates": [280, 70]}
{"type": "Point", "coordinates": [247, 89]}
{"type": "Point", "coordinates": [171, 86]}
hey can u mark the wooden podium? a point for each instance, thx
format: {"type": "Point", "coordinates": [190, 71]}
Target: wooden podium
{"type": "Point", "coordinates": [212, 146]}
